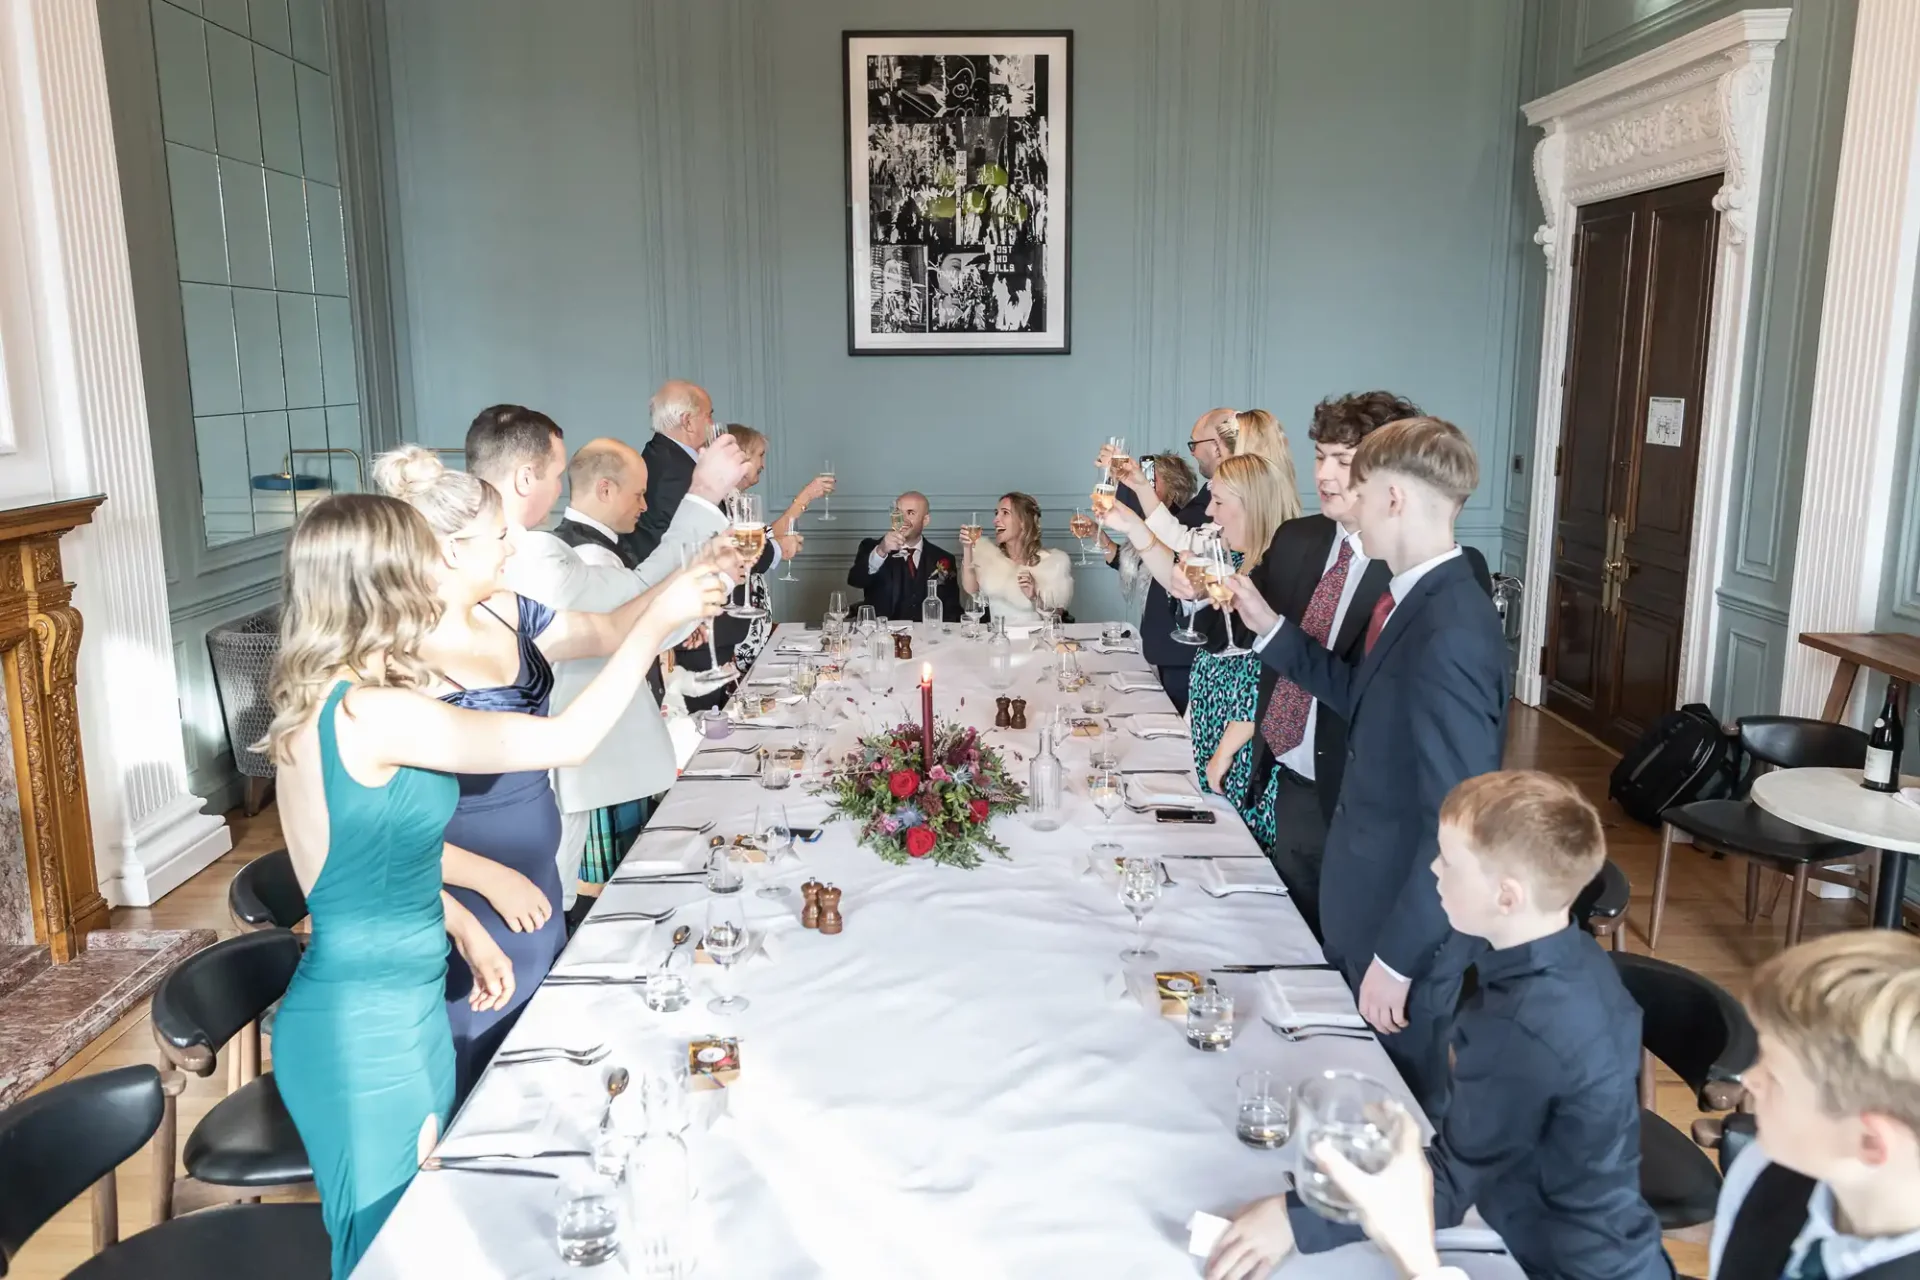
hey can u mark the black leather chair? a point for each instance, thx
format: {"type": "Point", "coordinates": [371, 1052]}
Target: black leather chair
{"type": "Point", "coordinates": [246, 1145]}
{"type": "Point", "coordinates": [1742, 828]}
{"type": "Point", "coordinates": [1601, 908]}
{"type": "Point", "coordinates": [265, 894]}
{"type": "Point", "coordinates": [57, 1144]}
{"type": "Point", "coordinates": [1703, 1036]}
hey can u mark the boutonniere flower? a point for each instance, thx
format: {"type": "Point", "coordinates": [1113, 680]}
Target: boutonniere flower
{"type": "Point", "coordinates": [944, 569]}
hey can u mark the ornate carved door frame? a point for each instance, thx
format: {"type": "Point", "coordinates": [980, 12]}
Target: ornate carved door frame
{"type": "Point", "coordinates": [1695, 106]}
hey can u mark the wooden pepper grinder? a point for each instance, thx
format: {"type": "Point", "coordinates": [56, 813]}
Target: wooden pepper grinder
{"type": "Point", "coordinates": [1001, 718]}
{"type": "Point", "coordinates": [830, 921]}
{"type": "Point", "coordinates": [1019, 720]}
{"type": "Point", "coordinates": [903, 645]}
{"type": "Point", "coordinates": [810, 913]}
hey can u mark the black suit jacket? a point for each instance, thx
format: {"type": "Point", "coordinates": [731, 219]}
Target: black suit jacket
{"type": "Point", "coordinates": [669, 476]}
{"type": "Point", "coordinates": [1157, 644]}
{"type": "Point", "coordinates": [895, 593]}
{"type": "Point", "coordinates": [1426, 710]}
{"type": "Point", "coordinates": [1286, 578]}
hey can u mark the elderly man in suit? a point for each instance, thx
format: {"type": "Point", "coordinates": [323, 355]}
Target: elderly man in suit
{"type": "Point", "coordinates": [892, 572]}
{"type": "Point", "coordinates": [520, 452]}
{"type": "Point", "coordinates": [1426, 708]}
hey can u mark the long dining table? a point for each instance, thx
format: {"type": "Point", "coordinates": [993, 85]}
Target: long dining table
{"type": "Point", "coordinates": [962, 1083]}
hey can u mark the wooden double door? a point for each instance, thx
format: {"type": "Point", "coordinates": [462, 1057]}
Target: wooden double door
{"type": "Point", "coordinates": [1628, 456]}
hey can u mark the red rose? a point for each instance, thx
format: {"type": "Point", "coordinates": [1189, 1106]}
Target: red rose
{"type": "Point", "coordinates": [979, 809]}
{"type": "Point", "coordinates": [903, 783]}
{"type": "Point", "coordinates": [920, 842]}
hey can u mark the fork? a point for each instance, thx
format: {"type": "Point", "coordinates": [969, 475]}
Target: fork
{"type": "Point", "coordinates": [627, 917]}
{"type": "Point", "coordinates": [1294, 1035]}
{"type": "Point", "coordinates": [1271, 891]}
{"type": "Point", "coordinates": [700, 830]}
{"type": "Point", "coordinates": [579, 1057]}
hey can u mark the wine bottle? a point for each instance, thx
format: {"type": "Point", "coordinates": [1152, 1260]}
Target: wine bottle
{"type": "Point", "coordinates": [1882, 771]}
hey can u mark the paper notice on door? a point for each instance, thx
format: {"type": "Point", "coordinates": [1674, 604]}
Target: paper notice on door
{"type": "Point", "coordinates": [1665, 418]}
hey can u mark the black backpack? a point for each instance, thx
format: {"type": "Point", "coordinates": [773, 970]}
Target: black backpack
{"type": "Point", "coordinates": [1686, 756]}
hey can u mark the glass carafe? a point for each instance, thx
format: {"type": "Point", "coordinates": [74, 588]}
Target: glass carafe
{"type": "Point", "coordinates": [930, 611]}
{"type": "Point", "coordinates": [1046, 785]}
{"type": "Point", "coordinates": [999, 656]}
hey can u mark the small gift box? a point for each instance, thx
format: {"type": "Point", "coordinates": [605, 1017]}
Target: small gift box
{"type": "Point", "coordinates": [713, 1064]}
{"type": "Point", "coordinates": [1174, 990]}
{"type": "Point", "coordinates": [792, 757]}
{"type": "Point", "coordinates": [1087, 729]}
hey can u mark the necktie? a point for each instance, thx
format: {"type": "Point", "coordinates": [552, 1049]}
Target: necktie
{"type": "Point", "coordinates": [1812, 1267]}
{"type": "Point", "coordinates": [913, 563]}
{"type": "Point", "coordinates": [1285, 722]}
{"type": "Point", "coordinates": [1378, 622]}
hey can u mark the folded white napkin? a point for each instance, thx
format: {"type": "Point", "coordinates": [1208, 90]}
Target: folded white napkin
{"type": "Point", "coordinates": [618, 948]}
{"type": "Point", "coordinates": [1124, 646]}
{"type": "Point", "coordinates": [719, 762]}
{"type": "Point", "coordinates": [1166, 725]}
{"type": "Point", "coordinates": [1243, 873]}
{"type": "Point", "coordinates": [1908, 796]}
{"type": "Point", "coordinates": [770, 675]}
{"type": "Point", "coordinates": [666, 851]}
{"type": "Point", "coordinates": [507, 1125]}
{"type": "Point", "coordinates": [1133, 681]}
{"type": "Point", "coordinates": [1022, 633]}
{"type": "Point", "coordinates": [1162, 791]}
{"type": "Point", "coordinates": [1308, 998]}
{"type": "Point", "coordinates": [798, 644]}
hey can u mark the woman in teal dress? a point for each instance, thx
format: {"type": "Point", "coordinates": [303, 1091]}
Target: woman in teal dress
{"type": "Point", "coordinates": [1251, 496]}
{"type": "Point", "coordinates": [363, 1055]}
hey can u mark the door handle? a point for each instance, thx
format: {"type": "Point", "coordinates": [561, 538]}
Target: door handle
{"type": "Point", "coordinates": [1614, 570]}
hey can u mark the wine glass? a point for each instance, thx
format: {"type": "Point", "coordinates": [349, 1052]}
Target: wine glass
{"type": "Point", "coordinates": [826, 500]}
{"type": "Point", "coordinates": [837, 605]}
{"type": "Point", "coordinates": [1220, 572]}
{"type": "Point", "coordinates": [746, 516]}
{"type": "Point", "coordinates": [771, 829]}
{"type": "Point", "coordinates": [1139, 890]}
{"type": "Point", "coordinates": [726, 940]}
{"type": "Point", "coordinates": [1103, 788]}
{"type": "Point", "coordinates": [1087, 530]}
{"type": "Point", "coordinates": [865, 620]}
{"type": "Point", "coordinates": [1359, 1118]}
{"type": "Point", "coordinates": [1194, 565]}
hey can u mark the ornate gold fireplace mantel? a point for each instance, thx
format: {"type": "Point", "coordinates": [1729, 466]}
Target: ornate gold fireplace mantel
{"type": "Point", "coordinates": [39, 646]}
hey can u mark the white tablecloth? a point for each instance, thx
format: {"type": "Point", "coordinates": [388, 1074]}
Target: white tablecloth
{"type": "Point", "coordinates": [957, 1085]}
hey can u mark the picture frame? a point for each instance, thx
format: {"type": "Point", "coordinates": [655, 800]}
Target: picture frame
{"type": "Point", "coordinates": [959, 177]}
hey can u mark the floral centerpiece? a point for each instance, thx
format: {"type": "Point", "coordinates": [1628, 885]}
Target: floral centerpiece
{"type": "Point", "coordinates": [908, 810]}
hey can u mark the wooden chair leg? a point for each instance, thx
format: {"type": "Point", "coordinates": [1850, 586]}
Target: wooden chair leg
{"type": "Point", "coordinates": [1616, 935]}
{"type": "Point", "coordinates": [166, 1145]}
{"type": "Point", "coordinates": [1753, 892]}
{"type": "Point", "coordinates": [1646, 1081]}
{"type": "Point", "coordinates": [1873, 881]}
{"type": "Point", "coordinates": [249, 1052]}
{"type": "Point", "coordinates": [1773, 899]}
{"type": "Point", "coordinates": [106, 1212]}
{"type": "Point", "coordinates": [1797, 907]}
{"type": "Point", "coordinates": [1659, 889]}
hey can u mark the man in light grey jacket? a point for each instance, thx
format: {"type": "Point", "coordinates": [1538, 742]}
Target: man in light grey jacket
{"type": "Point", "coordinates": [520, 452]}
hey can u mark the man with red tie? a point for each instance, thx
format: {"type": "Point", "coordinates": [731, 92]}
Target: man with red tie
{"type": "Point", "coordinates": [1425, 708]}
{"type": "Point", "coordinates": [893, 572]}
{"type": "Point", "coordinates": [1317, 570]}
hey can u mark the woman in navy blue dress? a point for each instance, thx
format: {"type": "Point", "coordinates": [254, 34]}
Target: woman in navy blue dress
{"type": "Point", "coordinates": [493, 650]}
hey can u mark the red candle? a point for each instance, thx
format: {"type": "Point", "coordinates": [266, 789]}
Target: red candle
{"type": "Point", "coordinates": [926, 715]}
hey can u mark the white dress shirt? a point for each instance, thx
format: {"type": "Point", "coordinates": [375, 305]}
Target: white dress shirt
{"type": "Point", "coordinates": [1300, 759]}
{"type": "Point", "coordinates": [772, 541]}
{"type": "Point", "coordinates": [916, 549]}
{"type": "Point", "coordinates": [593, 552]}
{"type": "Point", "coordinates": [1843, 1255]}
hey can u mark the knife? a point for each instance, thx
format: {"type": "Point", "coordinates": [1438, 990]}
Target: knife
{"type": "Point", "coordinates": [1267, 968]}
{"type": "Point", "coordinates": [505, 1171]}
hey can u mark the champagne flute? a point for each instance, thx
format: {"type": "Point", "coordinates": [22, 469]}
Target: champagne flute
{"type": "Point", "coordinates": [1193, 564]}
{"type": "Point", "coordinates": [786, 561]}
{"type": "Point", "coordinates": [1103, 788]}
{"type": "Point", "coordinates": [1139, 890]}
{"type": "Point", "coordinates": [775, 834]}
{"type": "Point", "coordinates": [726, 940]}
{"type": "Point", "coordinates": [1086, 529]}
{"type": "Point", "coordinates": [826, 501]}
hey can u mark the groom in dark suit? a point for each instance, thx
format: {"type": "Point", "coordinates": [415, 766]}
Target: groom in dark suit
{"type": "Point", "coordinates": [892, 572]}
{"type": "Point", "coordinates": [1425, 708]}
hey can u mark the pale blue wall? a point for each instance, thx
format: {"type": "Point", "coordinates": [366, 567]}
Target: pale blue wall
{"type": "Point", "coordinates": [1274, 201]}
{"type": "Point", "coordinates": [1572, 39]}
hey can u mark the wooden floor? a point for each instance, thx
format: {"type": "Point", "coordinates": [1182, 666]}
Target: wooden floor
{"type": "Point", "coordinates": [1704, 930]}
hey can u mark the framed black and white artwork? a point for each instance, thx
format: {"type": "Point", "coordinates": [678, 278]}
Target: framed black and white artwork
{"type": "Point", "coordinates": [958, 185]}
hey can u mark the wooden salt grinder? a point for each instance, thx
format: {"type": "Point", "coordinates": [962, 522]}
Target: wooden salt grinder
{"type": "Point", "coordinates": [1001, 718]}
{"type": "Point", "coordinates": [1019, 719]}
{"type": "Point", "coordinates": [810, 913]}
{"type": "Point", "coordinates": [830, 921]}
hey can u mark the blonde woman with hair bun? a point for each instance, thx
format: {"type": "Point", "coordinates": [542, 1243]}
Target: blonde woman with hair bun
{"type": "Point", "coordinates": [368, 762]}
{"type": "Point", "coordinates": [494, 650]}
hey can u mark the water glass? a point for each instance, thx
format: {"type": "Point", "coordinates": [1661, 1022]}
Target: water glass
{"type": "Point", "coordinates": [1113, 633]}
{"type": "Point", "coordinates": [1210, 1019]}
{"type": "Point", "coordinates": [666, 992]}
{"type": "Point", "coordinates": [1105, 788]}
{"type": "Point", "coordinates": [1265, 1119]}
{"type": "Point", "coordinates": [1093, 701]}
{"type": "Point", "coordinates": [587, 1219]}
{"type": "Point", "coordinates": [1104, 754]}
{"type": "Point", "coordinates": [1359, 1118]}
{"type": "Point", "coordinates": [776, 772]}
{"type": "Point", "coordinates": [771, 829]}
{"type": "Point", "coordinates": [722, 876]}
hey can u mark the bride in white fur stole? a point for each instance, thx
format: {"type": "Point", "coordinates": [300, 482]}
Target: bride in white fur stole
{"type": "Point", "coordinates": [1015, 574]}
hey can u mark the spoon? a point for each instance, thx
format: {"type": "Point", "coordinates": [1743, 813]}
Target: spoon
{"type": "Point", "coordinates": [680, 937]}
{"type": "Point", "coordinates": [616, 1085]}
